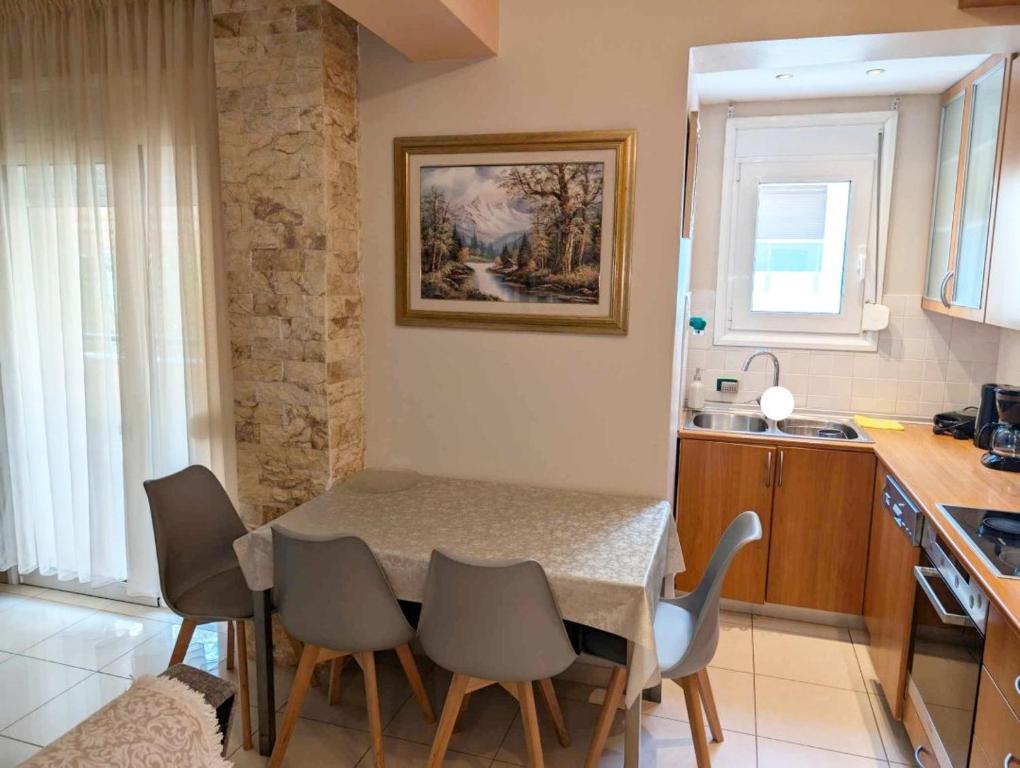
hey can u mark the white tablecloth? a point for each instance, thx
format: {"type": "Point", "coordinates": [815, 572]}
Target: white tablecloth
{"type": "Point", "coordinates": [606, 556]}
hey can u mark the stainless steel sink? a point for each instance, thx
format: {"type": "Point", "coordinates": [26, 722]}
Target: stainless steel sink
{"type": "Point", "coordinates": [730, 422]}
{"type": "Point", "coordinates": [750, 423]}
{"type": "Point", "coordinates": [826, 430]}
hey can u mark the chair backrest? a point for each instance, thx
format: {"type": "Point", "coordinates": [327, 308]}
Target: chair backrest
{"type": "Point", "coordinates": [195, 526]}
{"type": "Point", "coordinates": [703, 602]}
{"type": "Point", "coordinates": [332, 592]}
{"type": "Point", "coordinates": [496, 621]}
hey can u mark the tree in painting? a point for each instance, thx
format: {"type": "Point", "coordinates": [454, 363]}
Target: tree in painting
{"type": "Point", "coordinates": [526, 233]}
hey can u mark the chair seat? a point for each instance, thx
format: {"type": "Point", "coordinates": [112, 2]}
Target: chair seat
{"type": "Point", "coordinates": [218, 598]}
{"type": "Point", "coordinates": [674, 629]}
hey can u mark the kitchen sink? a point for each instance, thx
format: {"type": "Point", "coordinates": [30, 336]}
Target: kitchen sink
{"type": "Point", "coordinates": [829, 430]}
{"type": "Point", "coordinates": [730, 422]}
{"type": "Point", "coordinates": [799, 427]}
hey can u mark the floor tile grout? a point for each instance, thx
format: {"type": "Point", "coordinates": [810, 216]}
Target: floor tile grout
{"type": "Point", "coordinates": [43, 704]}
{"type": "Point", "coordinates": [754, 693]}
{"type": "Point", "coordinates": [750, 625]}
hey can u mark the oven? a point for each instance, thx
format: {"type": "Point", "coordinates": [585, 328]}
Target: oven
{"type": "Point", "coordinates": [950, 613]}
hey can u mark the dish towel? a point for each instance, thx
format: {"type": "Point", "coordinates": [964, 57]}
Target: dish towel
{"type": "Point", "coordinates": [869, 423]}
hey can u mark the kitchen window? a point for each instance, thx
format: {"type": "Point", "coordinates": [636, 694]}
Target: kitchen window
{"type": "Point", "coordinates": [802, 231]}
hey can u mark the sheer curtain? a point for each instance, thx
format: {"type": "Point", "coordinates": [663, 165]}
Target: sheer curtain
{"type": "Point", "coordinates": [112, 360]}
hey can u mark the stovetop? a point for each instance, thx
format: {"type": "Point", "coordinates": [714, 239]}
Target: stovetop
{"type": "Point", "coordinates": [994, 534]}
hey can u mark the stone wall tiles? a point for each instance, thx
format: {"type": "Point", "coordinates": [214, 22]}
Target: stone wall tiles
{"type": "Point", "coordinates": [287, 96]}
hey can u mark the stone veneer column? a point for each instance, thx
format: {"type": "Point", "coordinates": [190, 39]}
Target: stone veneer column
{"type": "Point", "coordinates": [286, 75]}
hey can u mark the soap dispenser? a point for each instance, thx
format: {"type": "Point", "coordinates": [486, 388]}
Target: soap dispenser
{"type": "Point", "coordinates": [696, 392]}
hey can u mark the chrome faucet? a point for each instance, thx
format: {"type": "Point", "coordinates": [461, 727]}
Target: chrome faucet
{"type": "Point", "coordinates": [764, 353]}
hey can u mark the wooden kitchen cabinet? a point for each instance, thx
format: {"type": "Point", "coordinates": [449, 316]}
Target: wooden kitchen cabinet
{"type": "Point", "coordinates": [1004, 270]}
{"type": "Point", "coordinates": [974, 162]}
{"type": "Point", "coordinates": [821, 519]}
{"type": "Point", "coordinates": [996, 728]}
{"type": "Point", "coordinates": [718, 481]}
{"type": "Point", "coordinates": [1002, 658]}
{"type": "Point", "coordinates": [889, 598]}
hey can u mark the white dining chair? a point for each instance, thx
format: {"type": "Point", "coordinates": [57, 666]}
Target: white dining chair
{"type": "Point", "coordinates": [686, 638]}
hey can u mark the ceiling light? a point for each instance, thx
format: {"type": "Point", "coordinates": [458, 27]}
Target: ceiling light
{"type": "Point", "coordinates": [875, 72]}
{"type": "Point", "coordinates": [784, 76]}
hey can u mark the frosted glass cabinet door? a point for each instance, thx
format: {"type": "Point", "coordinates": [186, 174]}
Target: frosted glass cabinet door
{"type": "Point", "coordinates": [977, 191]}
{"type": "Point", "coordinates": [950, 134]}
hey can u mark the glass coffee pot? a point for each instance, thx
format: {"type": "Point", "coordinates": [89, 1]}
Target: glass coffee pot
{"type": "Point", "coordinates": [1004, 449]}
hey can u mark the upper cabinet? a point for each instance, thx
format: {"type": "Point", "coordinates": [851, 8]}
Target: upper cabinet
{"type": "Point", "coordinates": [979, 150]}
{"type": "Point", "coordinates": [967, 176]}
{"type": "Point", "coordinates": [1003, 308]}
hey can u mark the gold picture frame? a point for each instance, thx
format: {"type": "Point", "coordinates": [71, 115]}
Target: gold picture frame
{"type": "Point", "coordinates": [502, 269]}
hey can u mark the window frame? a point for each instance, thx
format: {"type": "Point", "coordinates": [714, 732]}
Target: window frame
{"type": "Point", "coordinates": [791, 331]}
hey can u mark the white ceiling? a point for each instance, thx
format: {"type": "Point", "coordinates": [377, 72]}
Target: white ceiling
{"type": "Point", "coordinates": [932, 74]}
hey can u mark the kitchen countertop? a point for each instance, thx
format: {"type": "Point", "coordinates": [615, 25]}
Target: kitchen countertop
{"type": "Point", "coordinates": [935, 470]}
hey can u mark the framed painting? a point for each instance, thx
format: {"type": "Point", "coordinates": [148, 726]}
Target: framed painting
{"type": "Point", "coordinates": [525, 231]}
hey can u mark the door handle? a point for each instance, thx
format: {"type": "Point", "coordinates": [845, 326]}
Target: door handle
{"type": "Point", "coordinates": [768, 472]}
{"type": "Point", "coordinates": [922, 574]}
{"type": "Point", "coordinates": [942, 288]}
{"type": "Point", "coordinates": [1016, 684]}
{"type": "Point", "coordinates": [779, 470]}
{"type": "Point", "coordinates": [917, 756]}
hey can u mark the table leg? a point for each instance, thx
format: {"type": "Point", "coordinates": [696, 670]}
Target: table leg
{"type": "Point", "coordinates": [632, 734]}
{"type": "Point", "coordinates": [264, 670]}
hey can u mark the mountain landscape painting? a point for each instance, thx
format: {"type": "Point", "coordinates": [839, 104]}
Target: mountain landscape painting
{"type": "Point", "coordinates": [512, 233]}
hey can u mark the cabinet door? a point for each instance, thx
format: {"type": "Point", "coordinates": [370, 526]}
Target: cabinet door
{"type": "Point", "coordinates": [944, 211]}
{"type": "Point", "coordinates": [717, 482]}
{"type": "Point", "coordinates": [821, 518]}
{"type": "Point", "coordinates": [996, 728]}
{"type": "Point", "coordinates": [1004, 271]}
{"type": "Point", "coordinates": [889, 599]}
{"type": "Point", "coordinates": [978, 189]}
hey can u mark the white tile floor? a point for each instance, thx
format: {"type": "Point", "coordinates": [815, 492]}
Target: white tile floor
{"type": "Point", "coordinates": [791, 695]}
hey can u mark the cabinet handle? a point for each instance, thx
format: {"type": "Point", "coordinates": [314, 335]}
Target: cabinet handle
{"type": "Point", "coordinates": [1016, 684]}
{"type": "Point", "coordinates": [942, 289]}
{"type": "Point", "coordinates": [1007, 760]}
{"type": "Point", "coordinates": [917, 756]}
{"type": "Point", "coordinates": [779, 470]}
{"type": "Point", "coordinates": [768, 482]}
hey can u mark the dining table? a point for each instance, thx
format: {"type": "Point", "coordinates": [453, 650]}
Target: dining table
{"type": "Point", "coordinates": [609, 559]}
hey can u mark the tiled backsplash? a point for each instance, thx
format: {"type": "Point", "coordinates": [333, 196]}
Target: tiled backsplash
{"type": "Point", "coordinates": [925, 363]}
{"type": "Point", "coordinates": [1009, 358]}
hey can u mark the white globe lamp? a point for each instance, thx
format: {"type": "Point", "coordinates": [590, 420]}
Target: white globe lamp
{"type": "Point", "coordinates": [777, 403]}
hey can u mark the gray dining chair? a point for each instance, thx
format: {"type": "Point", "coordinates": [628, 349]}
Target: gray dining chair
{"type": "Point", "coordinates": [686, 638]}
{"type": "Point", "coordinates": [494, 623]}
{"type": "Point", "coordinates": [195, 525]}
{"type": "Point", "coordinates": [332, 595]}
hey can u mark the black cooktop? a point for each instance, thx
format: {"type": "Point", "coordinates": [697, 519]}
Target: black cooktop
{"type": "Point", "coordinates": [995, 535]}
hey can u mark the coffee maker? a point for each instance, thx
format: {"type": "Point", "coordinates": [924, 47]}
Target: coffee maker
{"type": "Point", "coordinates": [1004, 447]}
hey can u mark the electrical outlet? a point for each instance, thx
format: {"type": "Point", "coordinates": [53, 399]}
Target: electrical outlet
{"type": "Point", "coordinates": [725, 387]}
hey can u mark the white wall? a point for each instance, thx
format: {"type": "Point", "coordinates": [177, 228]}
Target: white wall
{"type": "Point", "coordinates": [1008, 370]}
{"type": "Point", "coordinates": [561, 410]}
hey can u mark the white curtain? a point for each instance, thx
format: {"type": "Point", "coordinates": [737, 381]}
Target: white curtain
{"type": "Point", "coordinates": [112, 360]}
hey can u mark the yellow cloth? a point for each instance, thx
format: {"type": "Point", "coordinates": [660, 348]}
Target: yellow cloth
{"type": "Point", "coordinates": [870, 423]}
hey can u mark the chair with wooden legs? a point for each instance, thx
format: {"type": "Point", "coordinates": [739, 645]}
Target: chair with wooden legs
{"type": "Point", "coordinates": [333, 597]}
{"type": "Point", "coordinates": [686, 638]}
{"type": "Point", "coordinates": [195, 525]}
{"type": "Point", "coordinates": [489, 624]}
